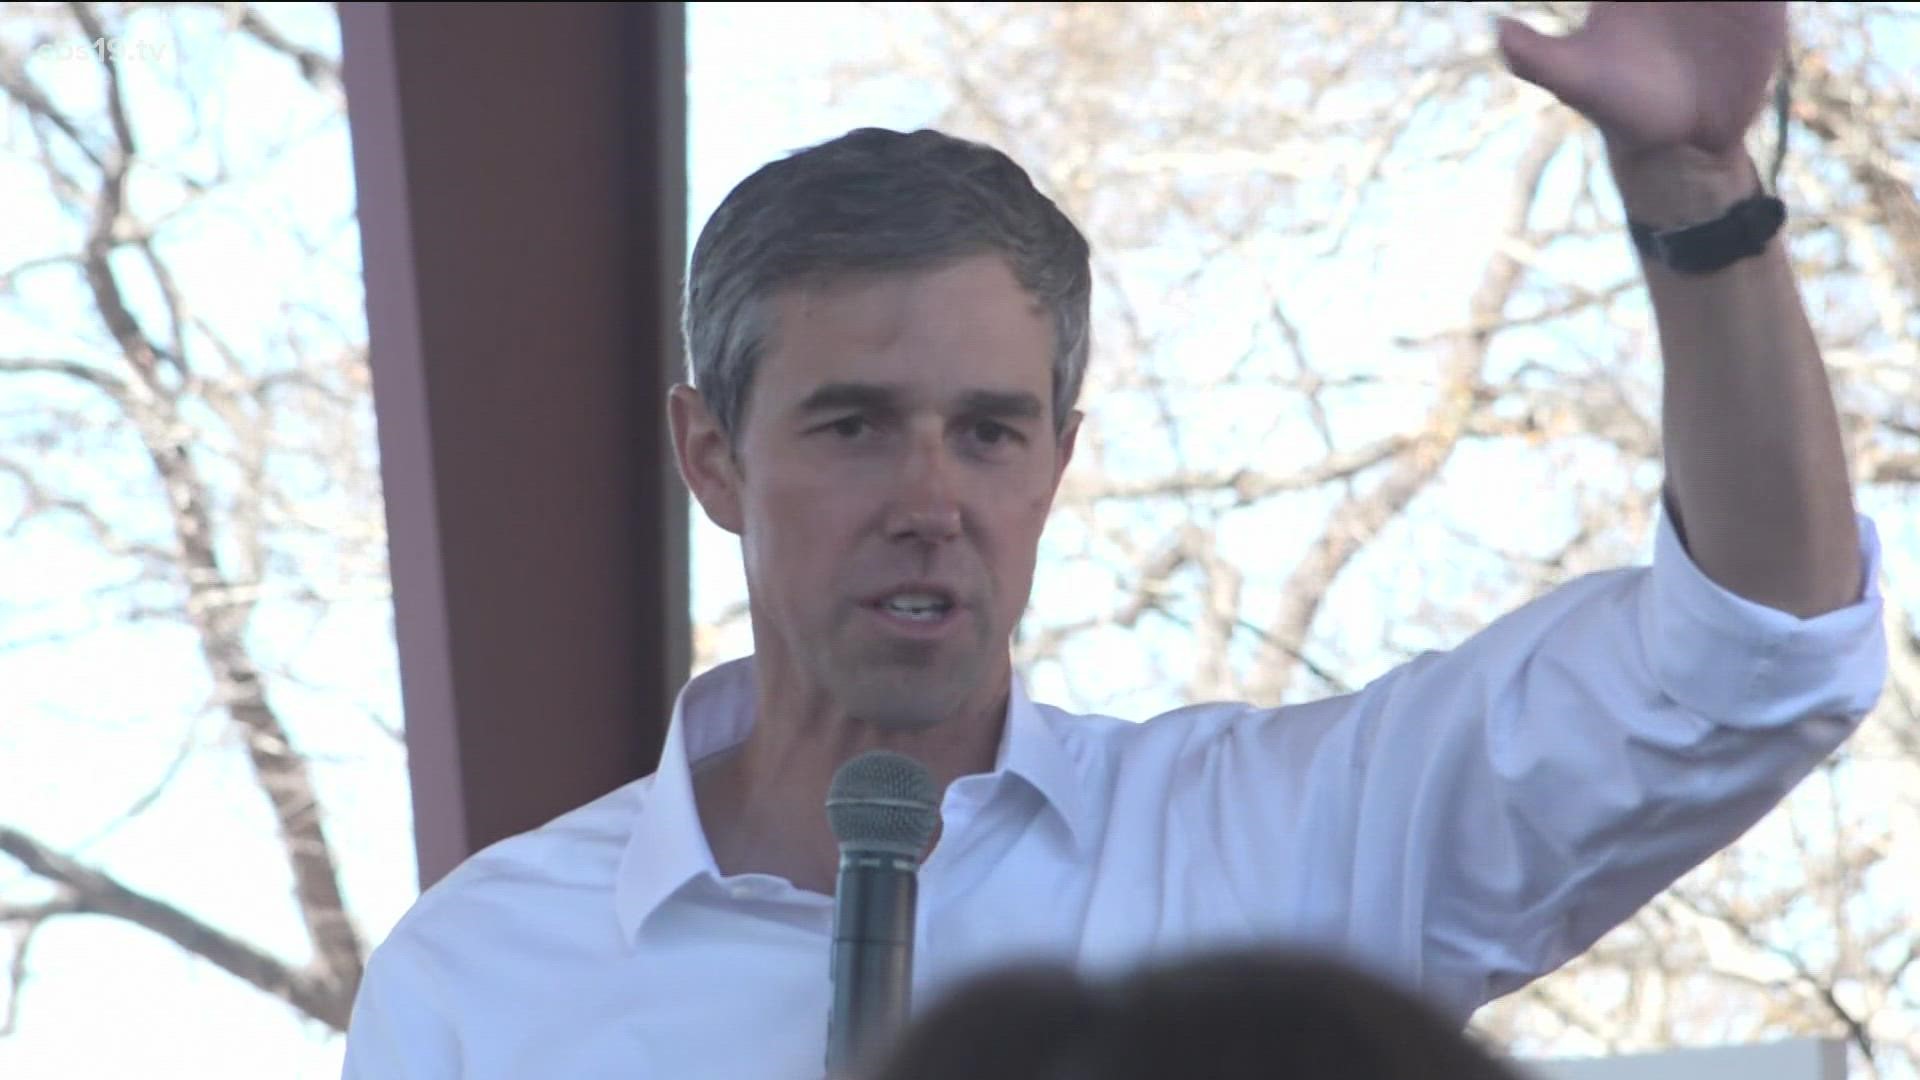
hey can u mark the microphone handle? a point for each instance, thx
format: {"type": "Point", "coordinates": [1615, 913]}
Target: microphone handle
{"type": "Point", "coordinates": [872, 965]}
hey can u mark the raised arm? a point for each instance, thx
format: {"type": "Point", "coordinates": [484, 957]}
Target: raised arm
{"type": "Point", "coordinates": [1756, 475]}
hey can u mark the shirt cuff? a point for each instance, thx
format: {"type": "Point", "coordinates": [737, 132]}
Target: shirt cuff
{"type": "Point", "coordinates": [1747, 665]}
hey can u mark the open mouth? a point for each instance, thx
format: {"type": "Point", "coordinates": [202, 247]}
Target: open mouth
{"type": "Point", "coordinates": [915, 606]}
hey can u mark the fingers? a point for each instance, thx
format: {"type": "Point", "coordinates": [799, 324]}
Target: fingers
{"type": "Point", "coordinates": [1555, 64]}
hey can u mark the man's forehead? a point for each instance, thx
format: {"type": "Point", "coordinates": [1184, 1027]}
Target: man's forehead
{"type": "Point", "coordinates": [983, 280]}
{"type": "Point", "coordinates": [943, 337]}
{"type": "Point", "coordinates": [830, 279]}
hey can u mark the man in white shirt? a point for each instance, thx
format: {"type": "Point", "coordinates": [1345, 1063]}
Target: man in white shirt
{"type": "Point", "coordinates": [888, 333]}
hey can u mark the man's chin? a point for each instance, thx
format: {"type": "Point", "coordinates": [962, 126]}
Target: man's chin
{"type": "Point", "coordinates": [908, 687]}
{"type": "Point", "coordinates": [909, 701]}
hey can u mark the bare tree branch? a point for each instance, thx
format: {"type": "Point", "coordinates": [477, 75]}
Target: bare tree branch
{"type": "Point", "coordinates": [1246, 485]}
{"type": "Point", "coordinates": [218, 605]}
{"type": "Point", "coordinates": [318, 69]}
{"type": "Point", "coordinates": [91, 892]}
{"type": "Point", "coordinates": [28, 919]}
{"type": "Point", "coordinates": [1358, 518]}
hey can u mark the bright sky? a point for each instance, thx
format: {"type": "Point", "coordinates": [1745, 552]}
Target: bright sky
{"type": "Point", "coordinates": [88, 725]}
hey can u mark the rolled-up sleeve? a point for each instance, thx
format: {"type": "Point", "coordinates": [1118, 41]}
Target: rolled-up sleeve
{"type": "Point", "coordinates": [1510, 801]}
{"type": "Point", "coordinates": [1748, 665]}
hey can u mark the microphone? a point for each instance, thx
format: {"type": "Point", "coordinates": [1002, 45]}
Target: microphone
{"type": "Point", "coordinates": [883, 811]}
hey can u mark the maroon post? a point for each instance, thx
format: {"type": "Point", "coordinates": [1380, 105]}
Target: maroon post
{"type": "Point", "coordinates": [522, 213]}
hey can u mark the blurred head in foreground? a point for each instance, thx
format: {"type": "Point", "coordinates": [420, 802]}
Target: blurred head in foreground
{"type": "Point", "coordinates": [1265, 1015]}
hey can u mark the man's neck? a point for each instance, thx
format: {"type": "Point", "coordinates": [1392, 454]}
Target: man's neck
{"type": "Point", "coordinates": [762, 804]}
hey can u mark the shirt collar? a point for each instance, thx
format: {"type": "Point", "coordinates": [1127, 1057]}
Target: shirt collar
{"type": "Point", "coordinates": [1032, 750]}
{"type": "Point", "coordinates": [715, 711]}
{"type": "Point", "coordinates": [667, 847]}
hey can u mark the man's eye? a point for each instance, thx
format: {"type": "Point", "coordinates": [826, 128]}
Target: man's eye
{"type": "Point", "coordinates": [993, 433]}
{"type": "Point", "coordinates": [848, 426]}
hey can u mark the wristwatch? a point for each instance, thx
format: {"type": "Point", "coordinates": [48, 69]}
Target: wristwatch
{"type": "Point", "coordinates": [1740, 233]}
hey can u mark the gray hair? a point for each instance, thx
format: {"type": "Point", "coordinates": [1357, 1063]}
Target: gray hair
{"type": "Point", "coordinates": [874, 201]}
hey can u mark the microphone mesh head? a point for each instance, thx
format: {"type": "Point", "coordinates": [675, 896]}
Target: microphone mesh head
{"type": "Point", "coordinates": [882, 801]}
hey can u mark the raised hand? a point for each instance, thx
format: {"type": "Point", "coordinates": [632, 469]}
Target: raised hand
{"type": "Point", "coordinates": [1656, 77]}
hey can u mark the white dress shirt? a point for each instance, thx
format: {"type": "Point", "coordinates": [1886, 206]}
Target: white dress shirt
{"type": "Point", "coordinates": [1465, 823]}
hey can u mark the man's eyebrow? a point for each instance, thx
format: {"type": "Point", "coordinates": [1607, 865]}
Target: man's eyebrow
{"type": "Point", "coordinates": [842, 395]}
{"type": "Point", "coordinates": [1015, 404]}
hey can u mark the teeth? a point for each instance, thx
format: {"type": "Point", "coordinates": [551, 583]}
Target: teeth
{"type": "Point", "coordinates": [916, 605]}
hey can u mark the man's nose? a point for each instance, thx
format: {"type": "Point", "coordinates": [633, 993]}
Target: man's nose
{"type": "Point", "coordinates": [926, 503]}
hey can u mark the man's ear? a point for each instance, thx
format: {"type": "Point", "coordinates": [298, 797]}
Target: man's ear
{"type": "Point", "coordinates": [705, 456]}
{"type": "Point", "coordinates": [1069, 433]}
